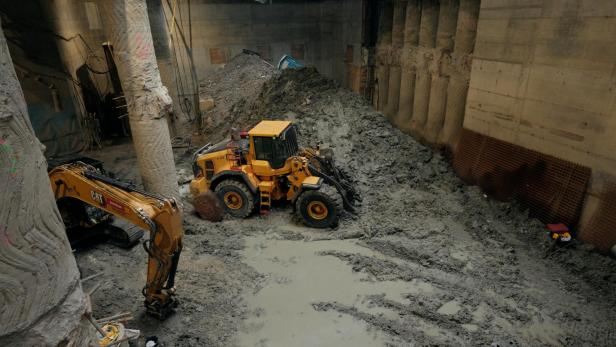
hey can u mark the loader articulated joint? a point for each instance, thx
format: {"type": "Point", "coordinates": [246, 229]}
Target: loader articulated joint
{"type": "Point", "coordinates": [347, 204]}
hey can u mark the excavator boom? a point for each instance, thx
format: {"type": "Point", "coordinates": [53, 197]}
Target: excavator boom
{"type": "Point", "coordinates": [161, 216]}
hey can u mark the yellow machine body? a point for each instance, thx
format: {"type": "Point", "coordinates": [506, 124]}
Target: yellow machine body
{"type": "Point", "coordinates": [162, 217]}
{"type": "Point", "coordinates": [258, 172]}
{"type": "Point", "coordinates": [268, 162]}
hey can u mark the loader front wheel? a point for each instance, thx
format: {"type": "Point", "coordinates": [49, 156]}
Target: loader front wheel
{"type": "Point", "coordinates": [236, 198]}
{"type": "Point", "coordinates": [319, 208]}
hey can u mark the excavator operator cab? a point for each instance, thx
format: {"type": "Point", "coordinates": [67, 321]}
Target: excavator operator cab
{"type": "Point", "coordinates": [86, 223]}
{"type": "Point", "coordinates": [274, 141]}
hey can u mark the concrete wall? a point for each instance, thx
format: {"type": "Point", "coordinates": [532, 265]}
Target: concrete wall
{"type": "Point", "coordinates": [423, 65]}
{"type": "Point", "coordinates": [544, 78]}
{"type": "Point", "coordinates": [315, 32]}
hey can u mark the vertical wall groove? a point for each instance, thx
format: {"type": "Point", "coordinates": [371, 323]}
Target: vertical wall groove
{"type": "Point", "coordinates": [407, 77]}
{"type": "Point", "coordinates": [427, 65]}
{"type": "Point", "coordinates": [427, 39]}
{"type": "Point", "coordinates": [397, 39]}
{"type": "Point", "coordinates": [384, 54]}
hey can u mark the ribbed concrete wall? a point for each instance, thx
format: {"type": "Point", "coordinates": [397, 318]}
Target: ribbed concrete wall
{"type": "Point", "coordinates": [426, 65]}
{"type": "Point", "coordinates": [543, 77]}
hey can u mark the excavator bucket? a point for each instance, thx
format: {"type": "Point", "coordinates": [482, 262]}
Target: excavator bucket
{"type": "Point", "coordinates": [208, 206]}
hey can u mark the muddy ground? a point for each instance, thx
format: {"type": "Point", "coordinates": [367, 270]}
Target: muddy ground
{"type": "Point", "coordinates": [427, 260]}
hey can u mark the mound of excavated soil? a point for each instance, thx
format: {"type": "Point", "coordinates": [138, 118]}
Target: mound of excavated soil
{"type": "Point", "coordinates": [233, 88]}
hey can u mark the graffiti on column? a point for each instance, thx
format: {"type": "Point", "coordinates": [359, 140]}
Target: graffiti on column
{"type": "Point", "coordinates": [144, 48]}
{"type": "Point", "coordinates": [5, 239]}
{"type": "Point", "coordinates": [8, 158]}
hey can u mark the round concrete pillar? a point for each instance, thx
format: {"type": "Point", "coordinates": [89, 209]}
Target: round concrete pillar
{"type": "Point", "coordinates": [128, 29]}
{"type": "Point", "coordinates": [41, 297]}
{"type": "Point", "coordinates": [165, 58]}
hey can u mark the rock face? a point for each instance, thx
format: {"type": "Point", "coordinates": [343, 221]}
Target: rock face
{"type": "Point", "coordinates": [40, 292]}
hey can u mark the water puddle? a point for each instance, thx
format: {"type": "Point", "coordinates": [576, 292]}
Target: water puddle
{"type": "Point", "coordinates": [297, 277]}
{"type": "Point", "coordinates": [450, 308]}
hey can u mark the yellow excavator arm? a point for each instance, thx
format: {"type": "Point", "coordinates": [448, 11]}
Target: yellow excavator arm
{"type": "Point", "coordinates": [162, 217]}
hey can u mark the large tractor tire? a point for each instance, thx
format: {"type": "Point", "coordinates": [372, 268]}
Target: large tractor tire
{"type": "Point", "coordinates": [320, 208]}
{"type": "Point", "coordinates": [236, 198]}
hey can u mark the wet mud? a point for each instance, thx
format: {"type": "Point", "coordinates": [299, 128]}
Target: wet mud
{"type": "Point", "coordinates": [426, 260]}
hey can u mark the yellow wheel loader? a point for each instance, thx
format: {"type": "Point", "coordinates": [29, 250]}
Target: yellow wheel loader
{"type": "Point", "coordinates": [252, 169]}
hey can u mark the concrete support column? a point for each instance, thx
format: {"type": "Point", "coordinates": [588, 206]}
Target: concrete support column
{"type": "Point", "coordinates": [466, 31]}
{"type": "Point", "coordinates": [447, 19]}
{"type": "Point", "coordinates": [427, 38]}
{"type": "Point", "coordinates": [165, 58]}
{"type": "Point", "coordinates": [395, 69]}
{"type": "Point", "coordinates": [384, 54]}
{"type": "Point", "coordinates": [128, 29]}
{"type": "Point", "coordinates": [407, 77]}
{"type": "Point", "coordinates": [41, 297]}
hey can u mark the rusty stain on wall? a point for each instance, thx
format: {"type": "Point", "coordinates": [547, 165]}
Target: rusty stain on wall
{"type": "Point", "coordinates": [218, 55]}
{"type": "Point", "coordinates": [600, 229]}
{"type": "Point", "coordinates": [553, 189]}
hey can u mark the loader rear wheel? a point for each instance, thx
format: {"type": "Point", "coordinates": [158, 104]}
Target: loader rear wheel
{"type": "Point", "coordinates": [236, 198]}
{"type": "Point", "coordinates": [319, 208]}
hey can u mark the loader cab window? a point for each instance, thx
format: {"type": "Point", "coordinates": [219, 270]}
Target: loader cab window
{"type": "Point", "coordinates": [263, 148]}
{"type": "Point", "coordinates": [276, 150]}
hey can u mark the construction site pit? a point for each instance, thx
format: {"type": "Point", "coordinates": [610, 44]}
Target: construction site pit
{"type": "Point", "coordinates": [426, 260]}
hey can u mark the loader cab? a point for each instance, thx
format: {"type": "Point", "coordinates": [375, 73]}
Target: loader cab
{"type": "Point", "coordinates": [274, 142]}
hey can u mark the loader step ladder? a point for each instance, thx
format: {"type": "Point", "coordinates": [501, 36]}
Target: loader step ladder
{"type": "Point", "coordinates": [265, 191]}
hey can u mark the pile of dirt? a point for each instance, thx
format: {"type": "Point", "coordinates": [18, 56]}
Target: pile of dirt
{"type": "Point", "coordinates": [232, 88]}
{"type": "Point", "coordinates": [375, 154]}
